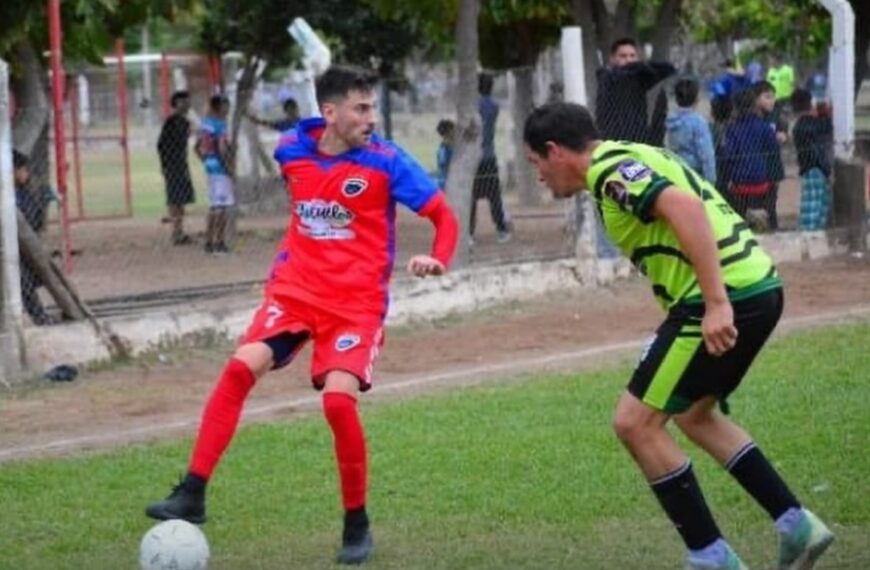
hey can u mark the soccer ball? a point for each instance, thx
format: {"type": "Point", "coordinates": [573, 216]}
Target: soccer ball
{"type": "Point", "coordinates": [173, 545]}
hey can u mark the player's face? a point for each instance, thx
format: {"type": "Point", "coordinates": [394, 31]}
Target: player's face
{"type": "Point", "coordinates": [182, 106]}
{"type": "Point", "coordinates": [623, 56]}
{"type": "Point", "coordinates": [354, 117]}
{"type": "Point", "coordinates": [555, 170]}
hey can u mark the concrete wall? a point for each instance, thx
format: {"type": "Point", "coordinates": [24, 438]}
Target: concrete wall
{"type": "Point", "coordinates": [418, 299]}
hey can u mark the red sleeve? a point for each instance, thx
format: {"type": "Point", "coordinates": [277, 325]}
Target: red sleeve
{"type": "Point", "coordinates": [446, 228]}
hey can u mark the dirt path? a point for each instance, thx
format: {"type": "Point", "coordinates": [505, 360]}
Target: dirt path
{"type": "Point", "coordinates": [162, 397]}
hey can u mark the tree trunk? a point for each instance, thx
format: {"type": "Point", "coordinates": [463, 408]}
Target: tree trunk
{"type": "Point", "coordinates": [387, 108]}
{"type": "Point", "coordinates": [30, 91]}
{"type": "Point", "coordinates": [524, 78]}
{"type": "Point", "coordinates": [666, 28]}
{"type": "Point", "coordinates": [467, 145]}
{"type": "Point", "coordinates": [603, 24]}
{"type": "Point", "coordinates": [35, 255]}
{"type": "Point", "coordinates": [31, 125]}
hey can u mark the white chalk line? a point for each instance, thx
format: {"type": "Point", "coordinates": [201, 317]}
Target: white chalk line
{"type": "Point", "coordinates": [514, 366]}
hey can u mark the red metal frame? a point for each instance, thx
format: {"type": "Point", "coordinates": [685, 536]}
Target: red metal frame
{"type": "Point", "coordinates": [57, 92]}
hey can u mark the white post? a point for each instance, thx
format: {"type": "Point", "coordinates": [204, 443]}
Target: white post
{"type": "Point", "coordinates": [841, 74]}
{"type": "Point", "coordinates": [573, 71]}
{"type": "Point", "coordinates": [11, 326]}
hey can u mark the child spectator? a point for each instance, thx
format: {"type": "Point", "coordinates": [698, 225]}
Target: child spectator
{"type": "Point", "coordinates": [750, 144]}
{"type": "Point", "coordinates": [33, 210]}
{"type": "Point", "coordinates": [212, 147]}
{"type": "Point", "coordinates": [444, 155]}
{"type": "Point", "coordinates": [812, 136]}
{"type": "Point", "coordinates": [688, 133]}
{"type": "Point", "coordinates": [771, 110]}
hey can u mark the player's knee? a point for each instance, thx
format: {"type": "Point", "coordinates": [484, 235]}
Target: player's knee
{"type": "Point", "coordinates": [257, 356]}
{"type": "Point", "coordinates": [629, 428]}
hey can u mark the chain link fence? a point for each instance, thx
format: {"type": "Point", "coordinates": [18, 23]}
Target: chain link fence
{"type": "Point", "coordinates": [142, 243]}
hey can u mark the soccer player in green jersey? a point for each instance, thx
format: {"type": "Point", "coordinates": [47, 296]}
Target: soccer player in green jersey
{"type": "Point", "coordinates": [723, 298]}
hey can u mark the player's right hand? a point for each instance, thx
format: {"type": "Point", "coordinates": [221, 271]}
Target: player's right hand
{"type": "Point", "coordinates": [717, 328]}
{"type": "Point", "coordinates": [423, 265]}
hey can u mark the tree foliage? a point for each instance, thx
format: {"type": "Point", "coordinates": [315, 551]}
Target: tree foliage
{"type": "Point", "coordinates": [798, 28]}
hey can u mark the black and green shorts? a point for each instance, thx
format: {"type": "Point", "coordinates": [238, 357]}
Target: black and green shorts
{"type": "Point", "coordinates": [675, 369]}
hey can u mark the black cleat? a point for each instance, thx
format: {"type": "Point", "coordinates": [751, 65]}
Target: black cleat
{"type": "Point", "coordinates": [356, 540]}
{"type": "Point", "coordinates": [186, 502]}
{"type": "Point", "coordinates": [358, 550]}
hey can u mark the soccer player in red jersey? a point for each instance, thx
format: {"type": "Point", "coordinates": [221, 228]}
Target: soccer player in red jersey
{"type": "Point", "coordinates": [329, 284]}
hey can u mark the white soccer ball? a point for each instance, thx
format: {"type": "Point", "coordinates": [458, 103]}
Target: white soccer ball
{"type": "Point", "coordinates": [173, 545]}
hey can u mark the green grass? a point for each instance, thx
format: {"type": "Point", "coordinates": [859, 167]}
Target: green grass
{"type": "Point", "coordinates": [519, 475]}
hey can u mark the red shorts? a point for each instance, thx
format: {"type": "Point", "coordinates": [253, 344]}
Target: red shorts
{"type": "Point", "coordinates": [349, 343]}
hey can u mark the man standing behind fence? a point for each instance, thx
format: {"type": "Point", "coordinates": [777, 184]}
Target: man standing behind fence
{"type": "Point", "coordinates": [172, 149]}
{"type": "Point", "coordinates": [486, 182]}
{"type": "Point", "coordinates": [213, 148]}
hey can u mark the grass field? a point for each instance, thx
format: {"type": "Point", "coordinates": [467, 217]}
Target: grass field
{"type": "Point", "coordinates": [523, 475]}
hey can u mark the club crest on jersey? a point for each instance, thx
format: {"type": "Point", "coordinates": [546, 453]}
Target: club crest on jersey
{"type": "Point", "coordinates": [633, 171]}
{"type": "Point", "coordinates": [354, 186]}
{"type": "Point", "coordinates": [346, 342]}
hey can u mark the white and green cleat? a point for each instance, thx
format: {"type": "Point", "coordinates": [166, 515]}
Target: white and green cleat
{"type": "Point", "coordinates": [730, 562]}
{"type": "Point", "coordinates": [799, 549]}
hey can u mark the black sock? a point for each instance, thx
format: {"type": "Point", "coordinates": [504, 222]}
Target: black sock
{"type": "Point", "coordinates": [758, 477]}
{"type": "Point", "coordinates": [356, 522]}
{"type": "Point", "coordinates": [680, 496]}
{"type": "Point", "coordinates": [194, 483]}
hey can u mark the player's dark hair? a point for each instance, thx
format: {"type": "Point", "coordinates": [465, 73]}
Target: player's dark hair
{"type": "Point", "coordinates": [614, 47]}
{"type": "Point", "coordinates": [485, 82]}
{"type": "Point", "coordinates": [801, 101]}
{"type": "Point", "coordinates": [216, 102]}
{"type": "Point", "coordinates": [686, 92]}
{"type": "Point", "coordinates": [566, 124]}
{"type": "Point", "coordinates": [339, 80]}
{"type": "Point", "coordinates": [178, 96]}
{"type": "Point", "coordinates": [445, 127]}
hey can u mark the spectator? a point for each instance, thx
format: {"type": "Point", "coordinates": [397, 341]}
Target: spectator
{"type": "Point", "coordinates": [813, 140]}
{"type": "Point", "coordinates": [729, 83]}
{"type": "Point", "coordinates": [781, 77]}
{"type": "Point", "coordinates": [291, 117]}
{"type": "Point", "coordinates": [754, 72]}
{"type": "Point", "coordinates": [446, 129]}
{"type": "Point", "coordinates": [172, 150]}
{"type": "Point", "coordinates": [689, 134]}
{"type": "Point", "coordinates": [213, 148]}
{"type": "Point", "coordinates": [817, 85]}
{"type": "Point", "coordinates": [750, 144]}
{"type": "Point", "coordinates": [486, 182]}
{"type": "Point", "coordinates": [720, 110]}
{"type": "Point", "coordinates": [772, 113]}
{"type": "Point", "coordinates": [33, 210]}
{"type": "Point", "coordinates": [622, 91]}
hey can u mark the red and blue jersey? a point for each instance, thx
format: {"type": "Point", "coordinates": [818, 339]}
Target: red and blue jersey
{"type": "Point", "coordinates": [340, 244]}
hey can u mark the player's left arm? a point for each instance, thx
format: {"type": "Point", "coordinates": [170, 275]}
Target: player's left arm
{"type": "Point", "coordinates": [439, 212]}
{"type": "Point", "coordinates": [686, 216]}
{"type": "Point", "coordinates": [412, 186]}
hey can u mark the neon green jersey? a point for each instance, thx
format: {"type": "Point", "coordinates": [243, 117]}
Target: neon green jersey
{"type": "Point", "coordinates": [625, 179]}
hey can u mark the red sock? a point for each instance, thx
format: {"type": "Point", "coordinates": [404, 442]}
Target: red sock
{"type": "Point", "coordinates": [221, 416]}
{"type": "Point", "coordinates": [350, 447]}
